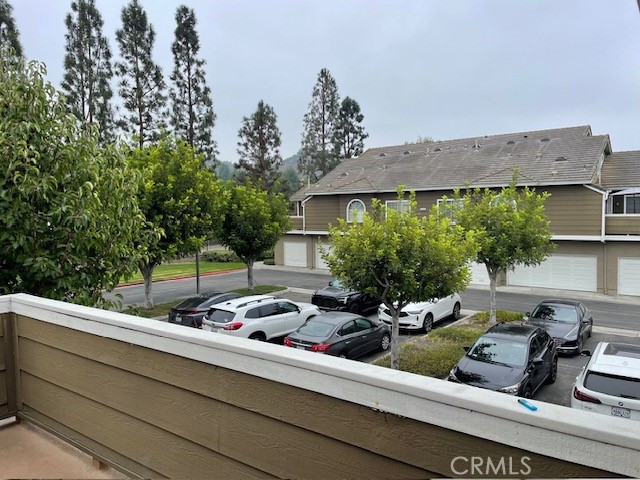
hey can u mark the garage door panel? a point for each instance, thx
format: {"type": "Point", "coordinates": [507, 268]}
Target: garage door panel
{"type": "Point", "coordinates": [479, 274]}
{"type": "Point", "coordinates": [295, 254]}
{"type": "Point", "coordinates": [629, 276]}
{"type": "Point", "coordinates": [320, 249]}
{"type": "Point", "coordinates": [565, 272]}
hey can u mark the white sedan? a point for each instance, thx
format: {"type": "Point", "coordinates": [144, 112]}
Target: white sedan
{"type": "Point", "coordinates": [422, 315]}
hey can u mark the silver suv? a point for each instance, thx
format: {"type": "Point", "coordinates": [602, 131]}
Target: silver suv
{"type": "Point", "coordinates": [259, 317]}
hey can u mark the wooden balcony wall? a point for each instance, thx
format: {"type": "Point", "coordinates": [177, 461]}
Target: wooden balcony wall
{"type": "Point", "coordinates": [622, 224]}
{"type": "Point", "coordinates": [158, 400]}
{"type": "Point", "coordinates": [296, 223]}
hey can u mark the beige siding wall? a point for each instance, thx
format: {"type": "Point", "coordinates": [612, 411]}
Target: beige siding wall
{"type": "Point", "coordinates": [321, 211]}
{"type": "Point", "coordinates": [615, 251]}
{"type": "Point", "coordinates": [623, 224]}
{"type": "Point", "coordinates": [574, 210]}
{"type": "Point", "coordinates": [157, 415]}
{"type": "Point", "coordinates": [3, 369]}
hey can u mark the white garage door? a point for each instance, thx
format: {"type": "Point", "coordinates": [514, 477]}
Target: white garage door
{"type": "Point", "coordinates": [565, 272]}
{"type": "Point", "coordinates": [320, 249]}
{"type": "Point", "coordinates": [629, 276]}
{"type": "Point", "coordinates": [295, 254]}
{"type": "Point", "coordinates": [479, 273]}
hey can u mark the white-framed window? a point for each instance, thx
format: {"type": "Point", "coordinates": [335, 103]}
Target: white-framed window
{"type": "Point", "coordinates": [355, 210]}
{"type": "Point", "coordinates": [624, 204]}
{"type": "Point", "coordinates": [398, 205]}
{"type": "Point", "coordinates": [446, 206]}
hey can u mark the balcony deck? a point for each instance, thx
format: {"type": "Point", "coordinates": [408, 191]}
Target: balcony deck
{"type": "Point", "coordinates": [30, 452]}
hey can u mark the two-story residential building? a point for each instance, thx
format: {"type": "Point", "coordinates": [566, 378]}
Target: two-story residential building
{"type": "Point", "coordinates": [593, 208]}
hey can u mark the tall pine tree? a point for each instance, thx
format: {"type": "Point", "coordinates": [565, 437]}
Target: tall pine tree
{"type": "Point", "coordinates": [141, 83]}
{"type": "Point", "coordinates": [259, 145]}
{"type": "Point", "coordinates": [192, 116]}
{"type": "Point", "coordinates": [350, 134]}
{"type": "Point", "coordinates": [87, 65]}
{"type": "Point", "coordinates": [320, 153]}
{"type": "Point", "coordinates": [9, 35]}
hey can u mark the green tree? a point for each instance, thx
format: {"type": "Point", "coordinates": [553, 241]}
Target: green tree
{"type": "Point", "coordinates": [512, 229]}
{"type": "Point", "coordinates": [421, 139]}
{"type": "Point", "coordinates": [181, 201]}
{"type": "Point", "coordinates": [225, 170]}
{"type": "Point", "coordinates": [320, 152]}
{"type": "Point", "coordinates": [259, 145]}
{"type": "Point", "coordinates": [87, 65]}
{"type": "Point", "coordinates": [68, 219]}
{"type": "Point", "coordinates": [400, 257]}
{"type": "Point", "coordinates": [141, 84]}
{"type": "Point", "coordinates": [192, 116]}
{"type": "Point", "coordinates": [289, 182]}
{"type": "Point", "coordinates": [9, 35]}
{"type": "Point", "coordinates": [254, 221]}
{"type": "Point", "coordinates": [350, 134]}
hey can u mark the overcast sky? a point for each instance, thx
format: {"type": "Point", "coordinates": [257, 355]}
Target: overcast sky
{"type": "Point", "coordinates": [440, 68]}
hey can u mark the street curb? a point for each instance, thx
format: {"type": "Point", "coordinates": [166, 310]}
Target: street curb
{"type": "Point", "coordinates": [182, 277]}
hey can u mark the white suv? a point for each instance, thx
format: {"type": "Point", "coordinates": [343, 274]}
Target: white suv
{"type": "Point", "coordinates": [259, 317]}
{"type": "Point", "coordinates": [610, 382]}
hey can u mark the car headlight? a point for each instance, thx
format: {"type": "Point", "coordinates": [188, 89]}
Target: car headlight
{"type": "Point", "coordinates": [414, 312]}
{"type": "Point", "coordinates": [511, 390]}
{"type": "Point", "coordinates": [343, 300]}
{"type": "Point", "coordinates": [452, 375]}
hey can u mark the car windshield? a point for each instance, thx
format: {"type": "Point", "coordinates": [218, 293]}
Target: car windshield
{"type": "Point", "coordinates": [559, 313]}
{"type": "Point", "coordinates": [500, 351]}
{"type": "Point", "coordinates": [221, 316]}
{"type": "Point", "coordinates": [336, 283]}
{"type": "Point", "coordinates": [617, 386]}
{"type": "Point", "coordinates": [316, 329]}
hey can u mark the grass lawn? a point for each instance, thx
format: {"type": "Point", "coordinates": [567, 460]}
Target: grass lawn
{"type": "Point", "coordinates": [435, 354]}
{"type": "Point", "coordinates": [183, 269]}
{"type": "Point", "coordinates": [162, 309]}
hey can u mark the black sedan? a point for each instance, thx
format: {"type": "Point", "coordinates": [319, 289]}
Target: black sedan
{"type": "Point", "coordinates": [569, 322]}
{"type": "Point", "coordinates": [511, 358]}
{"type": "Point", "coordinates": [340, 334]}
{"type": "Point", "coordinates": [190, 311]}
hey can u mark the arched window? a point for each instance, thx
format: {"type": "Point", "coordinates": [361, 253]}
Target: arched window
{"type": "Point", "coordinates": [355, 210]}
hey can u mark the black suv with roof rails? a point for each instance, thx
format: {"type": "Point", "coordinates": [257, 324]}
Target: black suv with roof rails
{"type": "Point", "coordinates": [512, 358]}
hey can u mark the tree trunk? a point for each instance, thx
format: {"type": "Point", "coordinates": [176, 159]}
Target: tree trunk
{"type": "Point", "coordinates": [493, 275]}
{"type": "Point", "coordinates": [395, 331]}
{"type": "Point", "coordinates": [147, 271]}
{"type": "Point", "coordinates": [249, 263]}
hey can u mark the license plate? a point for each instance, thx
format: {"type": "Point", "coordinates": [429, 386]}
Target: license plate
{"type": "Point", "coordinates": [209, 328]}
{"type": "Point", "coordinates": [620, 412]}
{"type": "Point", "coordinates": [300, 347]}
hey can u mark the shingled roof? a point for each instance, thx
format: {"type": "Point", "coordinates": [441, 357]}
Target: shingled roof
{"type": "Point", "coordinates": [621, 170]}
{"type": "Point", "coordinates": [562, 156]}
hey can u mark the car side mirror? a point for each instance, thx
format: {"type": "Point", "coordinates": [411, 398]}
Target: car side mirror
{"type": "Point", "coordinates": [466, 348]}
{"type": "Point", "coordinates": [585, 353]}
{"type": "Point", "coordinates": [537, 361]}
{"type": "Point", "coordinates": [527, 314]}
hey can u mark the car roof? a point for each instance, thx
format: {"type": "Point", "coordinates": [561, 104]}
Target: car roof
{"type": "Point", "coordinates": [616, 359]}
{"type": "Point", "coordinates": [241, 302]}
{"type": "Point", "coordinates": [334, 318]}
{"type": "Point", "coordinates": [512, 331]}
{"type": "Point", "coordinates": [560, 301]}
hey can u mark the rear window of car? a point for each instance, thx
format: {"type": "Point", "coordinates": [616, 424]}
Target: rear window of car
{"type": "Point", "coordinates": [192, 302]}
{"type": "Point", "coordinates": [221, 316]}
{"type": "Point", "coordinates": [614, 385]}
{"type": "Point", "coordinates": [316, 329]}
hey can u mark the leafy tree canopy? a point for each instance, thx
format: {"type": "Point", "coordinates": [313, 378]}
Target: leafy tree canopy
{"type": "Point", "coordinates": [183, 204]}
{"type": "Point", "coordinates": [400, 257]}
{"type": "Point", "coordinates": [9, 35]}
{"type": "Point", "coordinates": [254, 221]}
{"type": "Point", "coordinates": [69, 214]}
{"type": "Point", "coordinates": [512, 228]}
{"type": "Point", "coordinates": [350, 134]}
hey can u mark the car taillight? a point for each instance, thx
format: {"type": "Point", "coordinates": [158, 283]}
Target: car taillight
{"type": "Point", "coordinates": [583, 397]}
{"type": "Point", "coordinates": [321, 347]}
{"type": "Point", "coordinates": [232, 326]}
{"type": "Point", "coordinates": [287, 342]}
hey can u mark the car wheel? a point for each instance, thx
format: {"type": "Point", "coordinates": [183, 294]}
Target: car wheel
{"type": "Point", "coordinates": [427, 323]}
{"type": "Point", "coordinates": [343, 355]}
{"type": "Point", "coordinates": [553, 374]}
{"type": "Point", "coordinates": [385, 341]}
{"type": "Point", "coordinates": [355, 308]}
{"type": "Point", "coordinates": [527, 392]}
{"type": "Point", "coordinates": [456, 311]}
{"type": "Point", "coordinates": [258, 336]}
{"type": "Point", "coordinates": [580, 342]}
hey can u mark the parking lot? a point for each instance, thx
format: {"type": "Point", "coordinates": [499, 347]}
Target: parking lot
{"type": "Point", "coordinates": [568, 366]}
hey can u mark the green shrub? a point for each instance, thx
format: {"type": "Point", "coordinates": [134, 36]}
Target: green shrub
{"type": "Point", "coordinates": [501, 316]}
{"type": "Point", "coordinates": [269, 261]}
{"type": "Point", "coordinates": [435, 360]}
{"type": "Point", "coordinates": [220, 256]}
{"type": "Point", "coordinates": [463, 336]}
